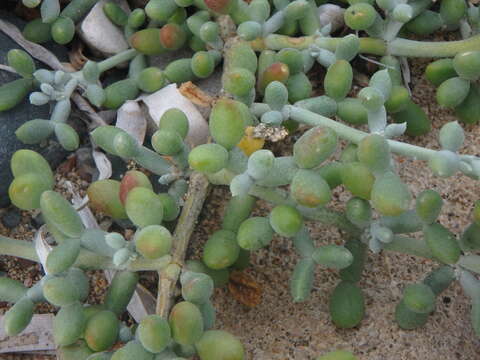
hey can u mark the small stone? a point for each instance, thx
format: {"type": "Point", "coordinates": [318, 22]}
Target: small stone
{"type": "Point", "coordinates": [38, 221]}
{"type": "Point", "coordinates": [11, 218]}
{"type": "Point", "coordinates": [100, 34]}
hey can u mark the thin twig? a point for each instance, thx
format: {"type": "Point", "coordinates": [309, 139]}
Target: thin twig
{"type": "Point", "coordinates": [195, 197]}
{"type": "Point", "coordinates": [197, 192]}
{"type": "Point", "coordinates": [83, 105]}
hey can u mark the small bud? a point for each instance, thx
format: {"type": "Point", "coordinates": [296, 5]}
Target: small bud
{"type": "Point", "coordinates": [260, 164]}
{"type": "Point", "coordinates": [444, 163]}
{"type": "Point", "coordinates": [371, 98]}
{"type": "Point", "coordinates": [44, 76]}
{"type": "Point", "coordinates": [115, 240]}
{"type": "Point", "coordinates": [91, 71]}
{"type": "Point", "coordinates": [402, 13]}
{"type": "Point", "coordinates": [39, 98]}
{"type": "Point", "coordinates": [451, 136]}
{"type": "Point", "coordinates": [272, 118]}
{"type": "Point", "coordinates": [241, 184]}
{"type": "Point", "coordinates": [121, 257]}
{"type": "Point", "coordinates": [249, 30]}
{"type": "Point", "coordinates": [47, 89]}
{"type": "Point", "coordinates": [383, 234]}
{"type": "Point", "coordinates": [276, 95]}
{"type": "Point", "coordinates": [209, 31]}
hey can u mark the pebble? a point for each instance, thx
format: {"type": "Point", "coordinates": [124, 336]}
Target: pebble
{"type": "Point", "coordinates": [11, 218]}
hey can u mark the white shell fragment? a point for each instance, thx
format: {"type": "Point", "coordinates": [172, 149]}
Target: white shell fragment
{"type": "Point", "coordinates": [100, 34]}
{"type": "Point", "coordinates": [169, 97]}
{"type": "Point", "coordinates": [37, 336]}
{"type": "Point", "coordinates": [130, 118]}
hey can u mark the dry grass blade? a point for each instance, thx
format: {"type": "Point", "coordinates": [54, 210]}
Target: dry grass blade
{"type": "Point", "coordinates": [103, 165]}
{"type": "Point", "coordinates": [42, 247]}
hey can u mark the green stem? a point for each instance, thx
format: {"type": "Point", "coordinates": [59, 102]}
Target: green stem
{"type": "Point", "coordinates": [18, 248]}
{"type": "Point", "coordinates": [278, 196]}
{"type": "Point", "coordinates": [355, 136]}
{"type": "Point", "coordinates": [411, 48]}
{"type": "Point", "coordinates": [367, 45]}
{"type": "Point", "coordinates": [115, 60]}
{"type": "Point", "coordinates": [86, 260]}
{"type": "Point", "coordinates": [397, 47]}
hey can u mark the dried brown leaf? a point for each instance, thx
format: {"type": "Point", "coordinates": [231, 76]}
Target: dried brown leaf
{"type": "Point", "coordinates": [76, 57]}
{"type": "Point", "coordinates": [196, 95]}
{"type": "Point", "coordinates": [245, 289]}
{"type": "Point", "coordinates": [68, 165]}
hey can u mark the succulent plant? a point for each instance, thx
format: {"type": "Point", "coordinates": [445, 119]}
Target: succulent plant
{"type": "Point", "coordinates": [266, 94]}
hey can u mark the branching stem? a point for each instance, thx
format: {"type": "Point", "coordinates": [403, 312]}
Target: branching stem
{"type": "Point", "coordinates": [397, 47]}
{"type": "Point", "coordinates": [197, 192]}
{"type": "Point", "coordinates": [355, 136]}
{"type": "Point", "coordinates": [86, 260]}
{"type": "Point", "coordinates": [115, 60]}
